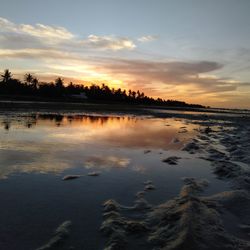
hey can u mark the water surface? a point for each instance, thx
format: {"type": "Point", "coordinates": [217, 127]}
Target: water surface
{"type": "Point", "coordinates": [37, 150]}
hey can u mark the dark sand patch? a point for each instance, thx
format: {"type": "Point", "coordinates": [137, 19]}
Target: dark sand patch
{"type": "Point", "coordinates": [94, 174]}
{"type": "Point", "coordinates": [172, 160]}
{"type": "Point", "coordinates": [70, 177]}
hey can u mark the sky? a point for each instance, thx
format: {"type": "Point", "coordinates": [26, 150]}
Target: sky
{"type": "Point", "coordinates": [196, 51]}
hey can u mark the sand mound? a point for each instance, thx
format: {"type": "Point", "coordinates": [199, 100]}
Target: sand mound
{"type": "Point", "coordinates": [188, 221]}
{"type": "Point", "coordinates": [172, 160]}
{"type": "Point", "coordinates": [59, 236]}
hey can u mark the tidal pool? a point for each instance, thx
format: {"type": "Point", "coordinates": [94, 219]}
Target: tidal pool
{"type": "Point", "coordinates": [38, 150]}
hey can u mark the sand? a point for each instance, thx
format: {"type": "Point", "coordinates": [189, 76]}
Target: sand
{"type": "Point", "coordinates": [189, 221]}
{"type": "Point", "coordinates": [192, 220]}
{"type": "Point", "coordinates": [59, 236]}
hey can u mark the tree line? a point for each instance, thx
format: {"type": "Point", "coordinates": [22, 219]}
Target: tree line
{"type": "Point", "coordinates": [57, 90]}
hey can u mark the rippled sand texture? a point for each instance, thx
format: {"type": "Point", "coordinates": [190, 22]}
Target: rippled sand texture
{"type": "Point", "coordinates": [190, 220]}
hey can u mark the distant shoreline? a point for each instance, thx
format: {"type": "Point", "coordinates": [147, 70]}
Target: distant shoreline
{"type": "Point", "coordinates": [43, 105]}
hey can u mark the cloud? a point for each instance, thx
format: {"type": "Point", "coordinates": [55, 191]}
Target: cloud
{"type": "Point", "coordinates": [107, 162]}
{"type": "Point", "coordinates": [147, 38]}
{"type": "Point", "coordinates": [109, 43]}
{"type": "Point", "coordinates": [170, 72]}
{"type": "Point", "coordinates": [154, 77]}
{"type": "Point", "coordinates": [244, 84]}
{"type": "Point", "coordinates": [19, 36]}
{"type": "Point", "coordinates": [45, 31]}
{"type": "Point", "coordinates": [59, 51]}
{"type": "Point", "coordinates": [6, 25]}
{"type": "Point", "coordinates": [38, 54]}
{"type": "Point", "coordinates": [52, 34]}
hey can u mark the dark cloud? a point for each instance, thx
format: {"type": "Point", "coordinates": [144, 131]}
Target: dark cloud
{"type": "Point", "coordinates": [244, 84]}
{"type": "Point", "coordinates": [172, 73]}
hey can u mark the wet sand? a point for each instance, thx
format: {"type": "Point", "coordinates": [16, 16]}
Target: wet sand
{"type": "Point", "coordinates": [192, 220]}
{"type": "Point", "coordinates": [170, 180]}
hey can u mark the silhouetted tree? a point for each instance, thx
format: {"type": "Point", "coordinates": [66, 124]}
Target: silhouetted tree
{"type": "Point", "coordinates": [133, 94]}
{"type": "Point", "coordinates": [28, 78]}
{"type": "Point", "coordinates": [32, 87]}
{"type": "Point", "coordinates": [59, 82]}
{"type": "Point", "coordinates": [34, 83]}
{"type": "Point", "coordinates": [6, 77]}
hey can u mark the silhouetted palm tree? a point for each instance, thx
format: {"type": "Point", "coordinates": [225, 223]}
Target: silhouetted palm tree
{"type": "Point", "coordinates": [59, 82]}
{"type": "Point", "coordinates": [30, 87]}
{"type": "Point", "coordinates": [28, 78]}
{"type": "Point", "coordinates": [34, 83]}
{"type": "Point", "coordinates": [6, 76]}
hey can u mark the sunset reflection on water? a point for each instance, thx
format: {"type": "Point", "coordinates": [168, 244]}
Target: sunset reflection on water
{"type": "Point", "coordinates": [37, 151]}
{"type": "Point", "coordinates": [52, 143]}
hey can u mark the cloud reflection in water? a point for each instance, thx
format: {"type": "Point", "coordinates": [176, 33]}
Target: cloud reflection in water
{"type": "Point", "coordinates": [48, 143]}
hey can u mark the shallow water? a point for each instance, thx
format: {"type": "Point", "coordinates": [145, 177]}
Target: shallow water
{"type": "Point", "coordinates": [37, 150]}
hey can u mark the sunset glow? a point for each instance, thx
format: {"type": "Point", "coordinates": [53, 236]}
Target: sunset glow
{"type": "Point", "coordinates": [168, 50]}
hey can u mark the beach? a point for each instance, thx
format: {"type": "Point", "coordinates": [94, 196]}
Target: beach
{"type": "Point", "coordinates": [105, 177]}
